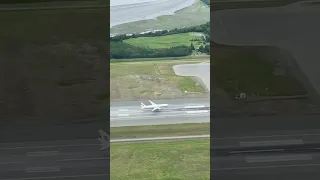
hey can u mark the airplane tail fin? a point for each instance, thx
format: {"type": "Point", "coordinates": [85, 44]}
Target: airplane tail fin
{"type": "Point", "coordinates": [142, 105]}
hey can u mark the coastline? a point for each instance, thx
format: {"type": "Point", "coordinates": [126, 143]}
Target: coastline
{"type": "Point", "coordinates": [122, 13]}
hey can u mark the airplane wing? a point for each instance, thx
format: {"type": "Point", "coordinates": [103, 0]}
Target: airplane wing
{"type": "Point", "coordinates": [156, 108]}
{"type": "Point", "coordinates": [152, 103]}
{"type": "Point", "coordinates": [104, 144]}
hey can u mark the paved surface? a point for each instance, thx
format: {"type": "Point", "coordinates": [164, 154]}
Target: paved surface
{"type": "Point", "coordinates": [291, 155]}
{"type": "Point", "coordinates": [290, 27]}
{"type": "Point", "coordinates": [130, 113]}
{"type": "Point", "coordinates": [160, 138]}
{"type": "Point", "coordinates": [200, 70]}
{"type": "Point", "coordinates": [77, 159]}
{"type": "Point", "coordinates": [274, 147]}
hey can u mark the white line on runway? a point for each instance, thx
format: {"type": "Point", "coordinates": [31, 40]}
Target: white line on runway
{"type": "Point", "coordinates": [278, 158]}
{"type": "Point", "coordinates": [5, 163]}
{"type": "Point", "coordinates": [274, 142]}
{"type": "Point", "coordinates": [58, 177]}
{"type": "Point", "coordinates": [253, 151]}
{"type": "Point", "coordinates": [263, 167]}
{"type": "Point", "coordinates": [53, 146]}
{"type": "Point", "coordinates": [123, 115]}
{"type": "Point", "coordinates": [200, 111]}
{"type": "Point", "coordinates": [159, 117]}
{"type": "Point", "coordinates": [160, 138]}
{"type": "Point", "coordinates": [278, 135]}
{"type": "Point", "coordinates": [43, 169]}
{"type": "Point", "coordinates": [43, 153]}
{"type": "Point", "coordinates": [83, 159]}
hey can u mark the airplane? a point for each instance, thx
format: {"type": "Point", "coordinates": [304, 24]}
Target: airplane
{"type": "Point", "coordinates": [153, 106]}
{"type": "Point", "coordinates": [104, 140]}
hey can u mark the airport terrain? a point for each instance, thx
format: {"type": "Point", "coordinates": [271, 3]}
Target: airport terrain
{"type": "Point", "coordinates": [58, 61]}
{"type": "Point", "coordinates": [196, 14]}
{"type": "Point", "coordinates": [153, 160]}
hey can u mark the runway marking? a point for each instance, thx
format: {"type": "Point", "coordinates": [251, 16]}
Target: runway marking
{"type": "Point", "coordinates": [5, 163]}
{"type": "Point", "coordinates": [272, 142]}
{"type": "Point", "coordinates": [253, 151]}
{"type": "Point", "coordinates": [43, 153]}
{"type": "Point", "coordinates": [83, 159]}
{"type": "Point", "coordinates": [200, 111]}
{"type": "Point", "coordinates": [58, 177]}
{"type": "Point", "coordinates": [123, 110]}
{"type": "Point", "coordinates": [158, 117]}
{"type": "Point", "coordinates": [43, 169]}
{"type": "Point", "coordinates": [53, 146]}
{"type": "Point", "coordinates": [278, 135]}
{"type": "Point", "coordinates": [278, 158]}
{"type": "Point", "coordinates": [262, 167]}
{"type": "Point", "coordinates": [187, 107]}
{"type": "Point", "coordinates": [159, 138]}
{"type": "Point", "coordinates": [123, 114]}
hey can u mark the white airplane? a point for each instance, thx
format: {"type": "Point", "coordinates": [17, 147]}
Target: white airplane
{"type": "Point", "coordinates": [153, 106]}
{"type": "Point", "coordinates": [104, 140]}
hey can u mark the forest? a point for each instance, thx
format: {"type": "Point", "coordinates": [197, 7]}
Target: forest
{"type": "Point", "coordinates": [121, 50]}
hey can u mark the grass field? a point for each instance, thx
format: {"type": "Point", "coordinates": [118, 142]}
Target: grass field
{"type": "Point", "coordinates": [197, 14]}
{"type": "Point", "coordinates": [160, 130]}
{"type": "Point", "coordinates": [252, 70]}
{"type": "Point", "coordinates": [176, 160]}
{"type": "Point", "coordinates": [167, 41]}
{"type": "Point", "coordinates": [153, 79]}
{"type": "Point", "coordinates": [55, 56]}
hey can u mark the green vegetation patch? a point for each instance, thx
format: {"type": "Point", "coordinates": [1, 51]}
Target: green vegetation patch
{"type": "Point", "coordinates": [176, 160]}
{"type": "Point", "coordinates": [152, 79]}
{"type": "Point", "coordinates": [250, 70]}
{"type": "Point", "coordinates": [160, 130]}
{"type": "Point", "coordinates": [167, 41]}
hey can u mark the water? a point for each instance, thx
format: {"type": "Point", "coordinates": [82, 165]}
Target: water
{"type": "Point", "coordinates": [125, 11]}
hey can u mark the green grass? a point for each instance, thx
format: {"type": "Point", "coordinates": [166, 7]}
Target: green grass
{"type": "Point", "coordinates": [197, 14]}
{"type": "Point", "coordinates": [41, 50]}
{"type": "Point", "coordinates": [176, 160]}
{"type": "Point", "coordinates": [160, 130]}
{"type": "Point", "coordinates": [221, 4]}
{"type": "Point", "coordinates": [166, 41]}
{"type": "Point", "coordinates": [251, 71]}
{"type": "Point", "coordinates": [130, 80]}
{"type": "Point", "coordinates": [24, 28]}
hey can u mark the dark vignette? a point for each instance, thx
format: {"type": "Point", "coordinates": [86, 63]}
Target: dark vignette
{"type": "Point", "coordinates": [280, 128]}
{"type": "Point", "coordinates": [54, 88]}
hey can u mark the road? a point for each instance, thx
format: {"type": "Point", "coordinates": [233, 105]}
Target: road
{"type": "Point", "coordinates": [130, 114]}
{"type": "Point", "coordinates": [76, 159]}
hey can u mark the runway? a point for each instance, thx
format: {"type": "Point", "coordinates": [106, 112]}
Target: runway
{"type": "Point", "coordinates": [77, 159]}
{"type": "Point", "coordinates": [284, 155]}
{"type": "Point", "coordinates": [130, 114]}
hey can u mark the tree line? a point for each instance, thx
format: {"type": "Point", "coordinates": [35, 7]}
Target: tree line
{"type": "Point", "coordinates": [203, 28]}
{"type": "Point", "coordinates": [121, 50]}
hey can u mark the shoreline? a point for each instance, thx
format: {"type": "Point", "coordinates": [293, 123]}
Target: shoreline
{"type": "Point", "coordinates": [147, 14]}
